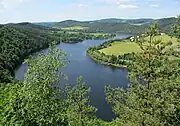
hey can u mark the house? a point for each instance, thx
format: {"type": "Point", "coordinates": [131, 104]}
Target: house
{"type": "Point", "coordinates": [162, 33]}
{"type": "Point", "coordinates": [132, 39]}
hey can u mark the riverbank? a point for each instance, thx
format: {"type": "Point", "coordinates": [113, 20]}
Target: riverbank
{"type": "Point", "coordinates": [120, 53]}
{"type": "Point", "coordinates": [97, 76]}
{"type": "Point", "coordinates": [75, 37]}
{"type": "Point", "coordinates": [32, 38]}
{"type": "Point", "coordinates": [106, 63]}
{"type": "Point", "coordinates": [119, 61]}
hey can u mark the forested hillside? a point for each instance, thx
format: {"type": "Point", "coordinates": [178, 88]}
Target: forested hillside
{"type": "Point", "coordinates": [151, 99]}
{"type": "Point", "coordinates": [19, 40]}
{"type": "Point", "coordinates": [132, 21]}
{"type": "Point", "coordinates": [115, 25]}
{"type": "Point", "coordinates": [47, 24]}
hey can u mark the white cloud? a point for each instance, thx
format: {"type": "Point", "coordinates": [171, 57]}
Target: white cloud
{"type": "Point", "coordinates": [154, 5]}
{"type": "Point", "coordinates": [118, 1]}
{"type": "Point", "coordinates": [123, 3]}
{"type": "Point", "coordinates": [124, 6]}
{"type": "Point", "coordinates": [82, 5]}
{"type": "Point", "coordinates": [154, 0]}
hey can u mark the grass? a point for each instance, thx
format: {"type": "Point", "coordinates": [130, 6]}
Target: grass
{"type": "Point", "coordinates": [75, 28]}
{"type": "Point", "coordinates": [120, 48]}
{"type": "Point", "coordinates": [95, 33]}
{"type": "Point", "coordinates": [98, 33]}
{"type": "Point", "coordinates": [123, 47]}
{"type": "Point", "coordinates": [77, 32]}
{"type": "Point", "coordinates": [166, 38]}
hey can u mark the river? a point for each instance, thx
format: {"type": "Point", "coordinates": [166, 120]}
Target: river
{"type": "Point", "coordinates": [95, 75]}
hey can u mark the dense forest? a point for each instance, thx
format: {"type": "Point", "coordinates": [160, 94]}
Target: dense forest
{"type": "Point", "coordinates": [152, 98]}
{"type": "Point", "coordinates": [19, 40]}
{"type": "Point", "coordinates": [134, 26]}
{"type": "Point", "coordinates": [17, 43]}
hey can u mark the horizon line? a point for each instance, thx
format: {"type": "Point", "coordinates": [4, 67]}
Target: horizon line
{"type": "Point", "coordinates": [89, 19]}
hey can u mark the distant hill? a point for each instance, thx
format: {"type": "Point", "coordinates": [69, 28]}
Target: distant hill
{"type": "Point", "coordinates": [47, 24]}
{"type": "Point", "coordinates": [112, 25]}
{"type": "Point", "coordinates": [101, 26]}
{"type": "Point", "coordinates": [165, 24]}
{"type": "Point", "coordinates": [108, 20]}
{"type": "Point", "coordinates": [139, 21]}
{"type": "Point", "coordinates": [26, 25]}
{"type": "Point", "coordinates": [71, 23]}
{"type": "Point", "coordinates": [112, 20]}
{"type": "Point", "coordinates": [131, 21]}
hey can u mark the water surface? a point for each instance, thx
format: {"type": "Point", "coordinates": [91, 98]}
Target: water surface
{"type": "Point", "coordinates": [95, 75]}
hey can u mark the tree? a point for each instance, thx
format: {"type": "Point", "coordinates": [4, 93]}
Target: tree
{"type": "Point", "coordinates": [152, 97]}
{"type": "Point", "coordinates": [35, 102]}
{"type": "Point", "coordinates": [38, 100]}
{"type": "Point", "coordinates": [176, 28]}
{"type": "Point", "coordinates": [80, 112]}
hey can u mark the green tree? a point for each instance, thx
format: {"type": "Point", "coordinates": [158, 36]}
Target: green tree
{"type": "Point", "coordinates": [152, 97]}
{"type": "Point", "coordinates": [176, 28]}
{"type": "Point", "coordinates": [80, 112]}
{"type": "Point", "coordinates": [35, 102]}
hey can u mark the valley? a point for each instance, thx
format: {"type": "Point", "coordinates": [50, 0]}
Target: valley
{"type": "Point", "coordinates": [107, 72]}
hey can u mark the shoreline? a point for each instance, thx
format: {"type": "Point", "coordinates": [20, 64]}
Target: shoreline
{"type": "Point", "coordinates": [105, 63]}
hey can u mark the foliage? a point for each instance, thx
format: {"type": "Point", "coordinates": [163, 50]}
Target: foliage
{"type": "Point", "coordinates": [140, 105]}
{"type": "Point", "coordinates": [124, 26]}
{"type": "Point", "coordinates": [74, 37]}
{"type": "Point", "coordinates": [19, 40]}
{"type": "Point", "coordinates": [126, 46]}
{"type": "Point", "coordinates": [151, 99]}
{"type": "Point", "coordinates": [176, 28]}
{"type": "Point", "coordinates": [79, 110]}
{"type": "Point", "coordinates": [35, 102]}
{"type": "Point", "coordinates": [153, 94]}
{"type": "Point", "coordinates": [38, 100]}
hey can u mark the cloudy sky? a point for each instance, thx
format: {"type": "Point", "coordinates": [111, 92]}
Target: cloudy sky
{"type": "Point", "coordinates": [58, 10]}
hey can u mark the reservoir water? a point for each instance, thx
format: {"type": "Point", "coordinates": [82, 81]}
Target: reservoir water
{"type": "Point", "coordinates": [95, 75]}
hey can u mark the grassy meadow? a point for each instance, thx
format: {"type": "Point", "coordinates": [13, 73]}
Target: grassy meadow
{"type": "Point", "coordinates": [125, 46]}
{"type": "Point", "coordinates": [75, 28]}
{"type": "Point", "coordinates": [166, 38]}
{"type": "Point", "coordinates": [120, 48]}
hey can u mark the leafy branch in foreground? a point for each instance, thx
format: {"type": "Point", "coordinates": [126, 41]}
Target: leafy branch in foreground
{"type": "Point", "coordinates": [153, 94]}
{"type": "Point", "coordinates": [176, 28]}
{"type": "Point", "coordinates": [35, 102]}
{"type": "Point", "coordinates": [80, 111]}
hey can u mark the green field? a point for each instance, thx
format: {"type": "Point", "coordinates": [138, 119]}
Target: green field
{"type": "Point", "coordinates": [75, 28]}
{"type": "Point", "coordinates": [71, 28]}
{"type": "Point", "coordinates": [166, 38]}
{"type": "Point", "coordinates": [96, 34]}
{"type": "Point", "coordinates": [122, 47]}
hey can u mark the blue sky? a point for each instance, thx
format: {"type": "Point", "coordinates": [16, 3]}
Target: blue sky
{"type": "Point", "coordinates": [58, 10]}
